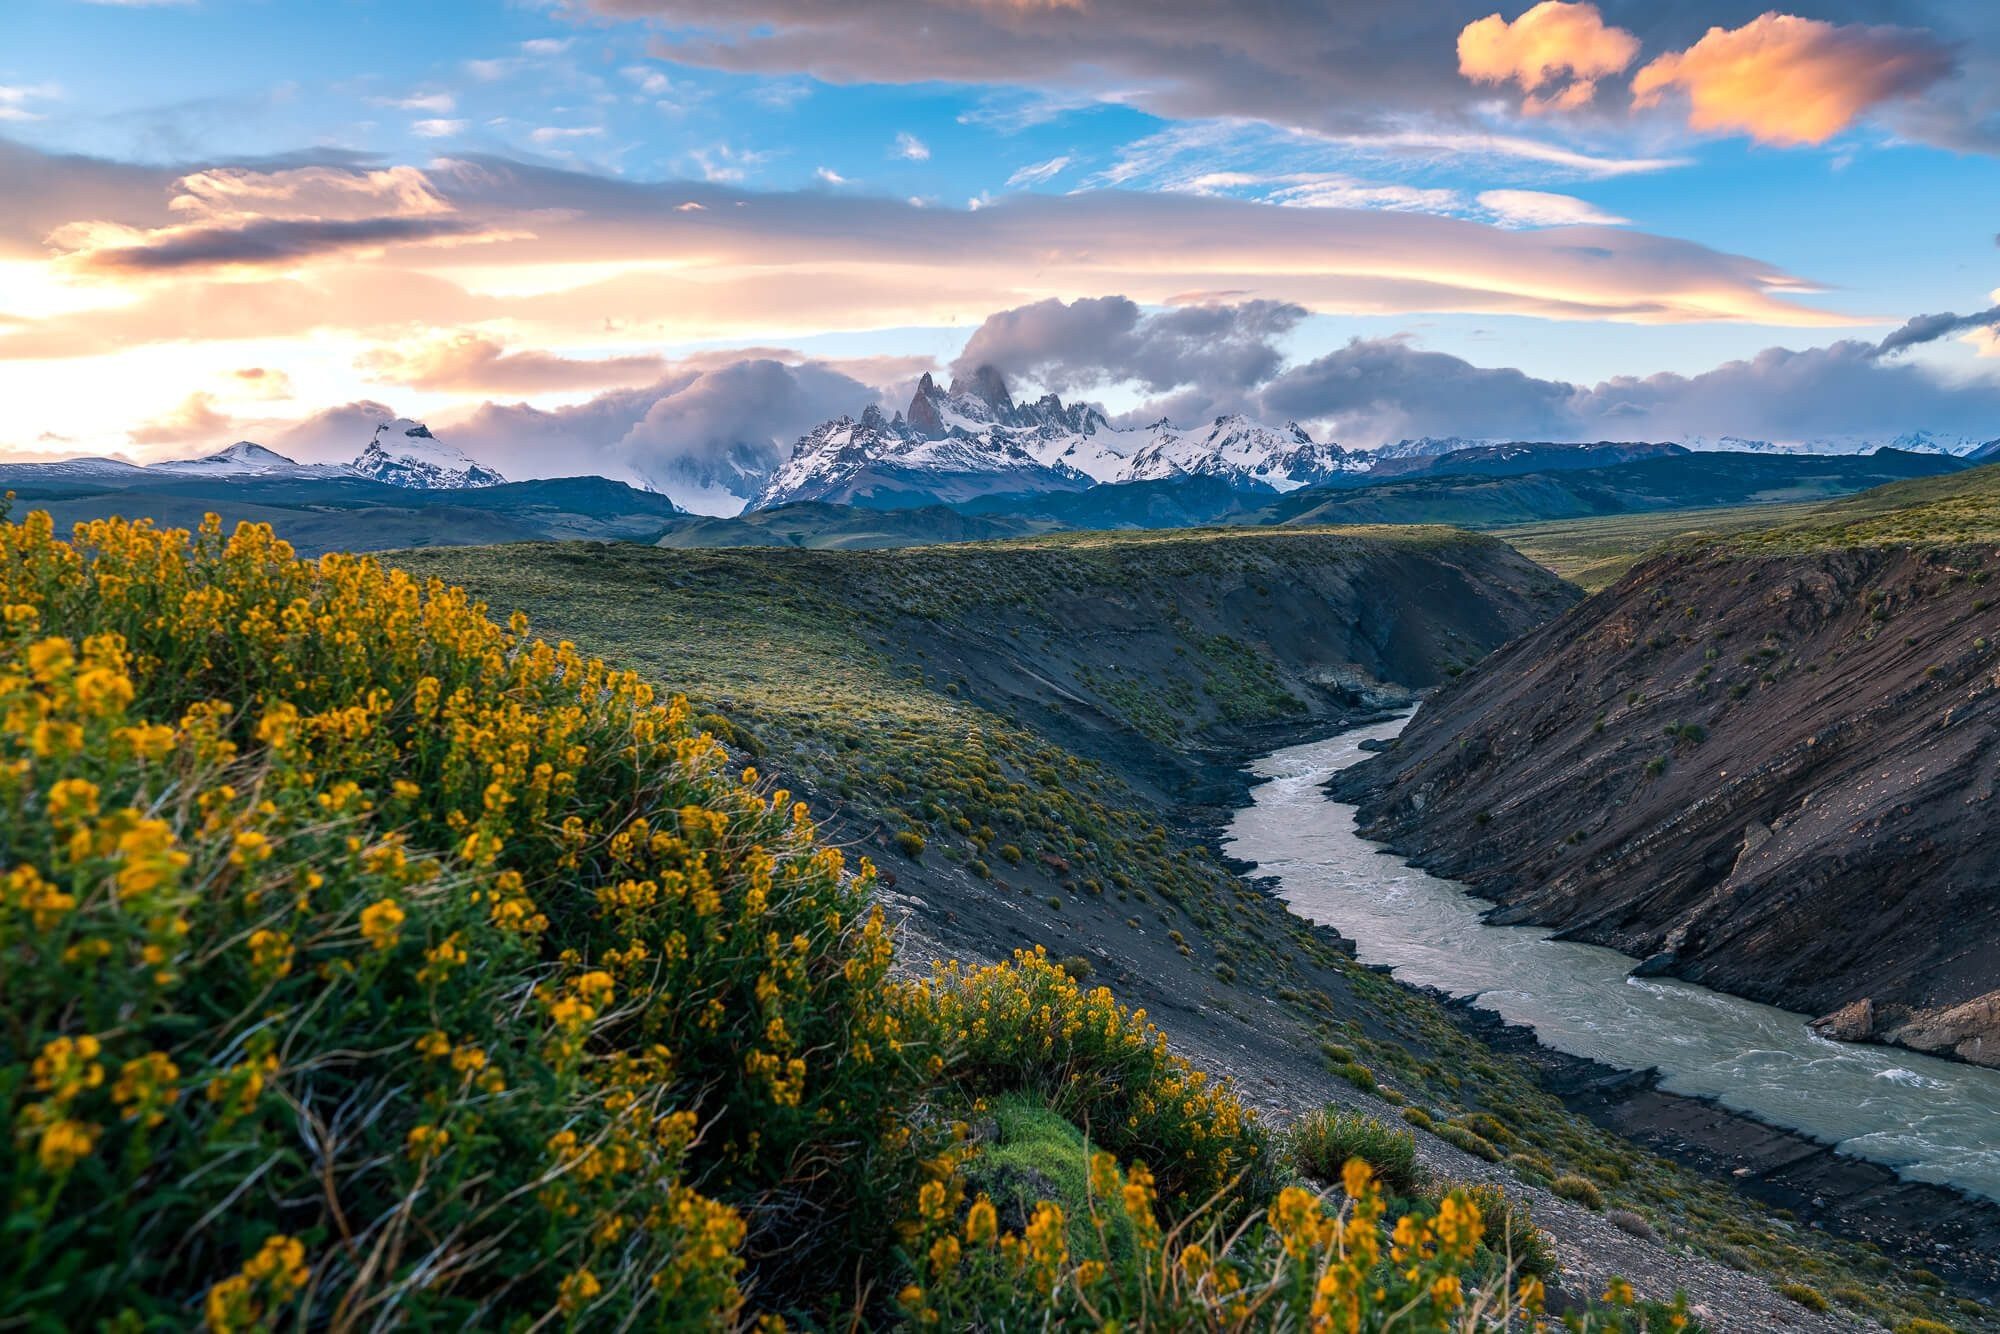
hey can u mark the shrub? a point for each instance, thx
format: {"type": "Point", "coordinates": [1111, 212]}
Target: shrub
{"type": "Point", "coordinates": [1511, 1232]}
{"type": "Point", "coordinates": [910, 843]}
{"type": "Point", "coordinates": [1028, 1027]}
{"type": "Point", "coordinates": [1356, 1074]}
{"type": "Point", "coordinates": [1305, 1262]}
{"type": "Point", "coordinates": [1805, 1296]}
{"type": "Point", "coordinates": [1320, 1143]}
{"type": "Point", "coordinates": [1578, 1190]}
{"type": "Point", "coordinates": [513, 997]}
{"type": "Point", "coordinates": [1633, 1224]}
{"type": "Point", "coordinates": [1477, 1145]}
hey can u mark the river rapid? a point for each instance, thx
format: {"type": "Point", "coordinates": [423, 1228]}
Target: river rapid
{"type": "Point", "coordinates": [1932, 1120]}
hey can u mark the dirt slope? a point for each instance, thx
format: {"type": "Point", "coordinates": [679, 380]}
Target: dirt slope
{"type": "Point", "coordinates": [1766, 766]}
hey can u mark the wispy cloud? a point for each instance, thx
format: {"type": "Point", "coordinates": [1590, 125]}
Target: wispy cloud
{"type": "Point", "coordinates": [1038, 173]}
{"type": "Point", "coordinates": [911, 148]}
{"type": "Point", "coordinates": [437, 129]}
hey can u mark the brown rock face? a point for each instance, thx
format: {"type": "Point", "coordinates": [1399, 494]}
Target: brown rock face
{"type": "Point", "coordinates": [1772, 774]}
{"type": "Point", "coordinates": [923, 410]}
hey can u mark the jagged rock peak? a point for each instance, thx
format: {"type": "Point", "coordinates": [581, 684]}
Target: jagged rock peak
{"type": "Point", "coordinates": [923, 413]}
{"type": "Point", "coordinates": [985, 384]}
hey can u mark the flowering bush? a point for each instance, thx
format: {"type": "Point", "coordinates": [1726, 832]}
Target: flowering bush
{"type": "Point", "coordinates": [1029, 1026]}
{"type": "Point", "coordinates": [1309, 1262]}
{"type": "Point", "coordinates": [363, 961]}
{"type": "Point", "coordinates": [366, 960]}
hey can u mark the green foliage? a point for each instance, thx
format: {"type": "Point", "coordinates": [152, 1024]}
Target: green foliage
{"type": "Point", "coordinates": [1805, 1295]}
{"type": "Point", "coordinates": [1511, 1233]}
{"type": "Point", "coordinates": [1472, 1142]}
{"type": "Point", "coordinates": [361, 955]}
{"type": "Point", "coordinates": [1578, 1190]}
{"type": "Point", "coordinates": [1320, 1143]}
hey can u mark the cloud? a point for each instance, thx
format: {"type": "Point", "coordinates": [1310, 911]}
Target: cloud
{"type": "Point", "coordinates": [1787, 80]}
{"type": "Point", "coordinates": [195, 420]}
{"type": "Point", "coordinates": [233, 216]}
{"type": "Point", "coordinates": [272, 241]}
{"type": "Point", "coordinates": [911, 148]}
{"type": "Point", "coordinates": [1558, 46]}
{"type": "Point", "coordinates": [261, 382]}
{"type": "Point", "coordinates": [1038, 173]}
{"type": "Point", "coordinates": [1929, 328]}
{"type": "Point", "coordinates": [1377, 390]}
{"type": "Point", "coordinates": [438, 104]}
{"type": "Point", "coordinates": [1536, 208]}
{"type": "Point", "coordinates": [315, 192]}
{"type": "Point", "coordinates": [1214, 350]}
{"type": "Point", "coordinates": [1292, 62]}
{"type": "Point", "coordinates": [480, 365]}
{"type": "Point", "coordinates": [555, 134]}
{"type": "Point", "coordinates": [437, 129]}
{"type": "Point", "coordinates": [15, 97]}
{"type": "Point", "coordinates": [1381, 389]}
{"type": "Point", "coordinates": [830, 176]}
{"type": "Point", "coordinates": [569, 256]}
{"type": "Point", "coordinates": [706, 435]}
{"type": "Point", "coordinates": [334, 435]}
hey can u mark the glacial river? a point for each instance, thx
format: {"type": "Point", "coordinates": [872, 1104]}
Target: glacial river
{"type": "Point", "coordinates": [1932, 1120]}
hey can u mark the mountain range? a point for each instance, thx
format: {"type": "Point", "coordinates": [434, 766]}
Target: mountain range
{"type": "Point", "coordinates": [973, 440]}
{"type": "Point", "coordinates": [401, 453]}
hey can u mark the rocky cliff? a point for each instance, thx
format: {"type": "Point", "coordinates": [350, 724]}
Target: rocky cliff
{"type": "Point", "coordinates": [1767, 767]}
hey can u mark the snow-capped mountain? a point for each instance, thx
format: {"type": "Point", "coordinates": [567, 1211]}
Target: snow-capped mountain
{"type": "Point", "coordinates": [888, 464]}
{"type": "Point", "coordinates": [973, 440]}
{"type": "Point", "coordinates": [91, 468]}
{"type": "Point", "coordinates": [246, 458]}
{"type": "Point", "coordinates": [1430, 446]}
{"type": "Point", "coordinates": [405, 453]}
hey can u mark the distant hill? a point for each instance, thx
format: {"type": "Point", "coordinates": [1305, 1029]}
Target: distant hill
{"type": "Point", "coordinates": [1676, 481]}
{"type": "Point", "coordinates": [821, 526]}
{"type": "Point", "coordinates": [320, 512]}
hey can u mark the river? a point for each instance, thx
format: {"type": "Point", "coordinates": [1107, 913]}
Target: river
{"type": "Point", "coordinates": [1932, 1120]}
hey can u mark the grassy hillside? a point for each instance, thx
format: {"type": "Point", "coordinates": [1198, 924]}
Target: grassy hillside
{"type": "Point", "coordinates": [368, 961]}
{"type": "Point", "coordinates": [1935, 511]}
{"type": "Point", "coordinates": [900, 691]}
{"type": "Point", "coordinates": [355, 514]}
{"type": "Point", "coordinates": [1683, 481]}
{"type": "Point", "coordinates": [1595, 553]}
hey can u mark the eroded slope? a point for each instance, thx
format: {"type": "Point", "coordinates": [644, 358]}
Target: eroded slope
{"type": "Point", "coordinates": [1765, 765]}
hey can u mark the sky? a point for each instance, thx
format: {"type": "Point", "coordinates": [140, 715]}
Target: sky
{"type": "Point", "coordinates": [653, 237]}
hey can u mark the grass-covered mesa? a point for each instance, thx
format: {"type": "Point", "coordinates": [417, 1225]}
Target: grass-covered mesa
{"type": "Point", "coordinates": [367, 963]}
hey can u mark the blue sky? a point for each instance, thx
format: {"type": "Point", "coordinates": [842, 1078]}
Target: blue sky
{"type": "Point", "coordinates": [867, 140]}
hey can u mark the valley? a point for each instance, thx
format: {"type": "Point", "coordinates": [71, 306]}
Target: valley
{"type": "Point", "coordinates": [1039, 741]}
{"type": "Point", "coordinates": [1787, 736]}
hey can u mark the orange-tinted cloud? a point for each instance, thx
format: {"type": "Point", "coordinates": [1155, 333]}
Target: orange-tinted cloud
{"type": "Point", "coordinates": [469, 362]}
{"type": "Point", "coordinates": [195, 419]}
{"type": "Point", "coordinates": [1789, 80]}
{"type": "Point", "coordinates": [1562, 47]}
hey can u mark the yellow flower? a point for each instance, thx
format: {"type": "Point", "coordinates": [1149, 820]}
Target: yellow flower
{"type": "Point", "coordinates": [72, 800]}
{"type": "Point", "coordinates": [270, 954]}
{"type": "Point", "coordinates": [982, 1222]}
{"type": "Point", "coordinates": [382, 923]}
{"type": "Point", "coordinates": [579, 1290]}
{"type": "Point", "coordinates": [145, 1088]}
{"type": "Point", "coordinates": [426, 1142]}
{"type": "Point", "coordinates": [1618, 1292]}
{"type": "Point", "coordinates": [64, 1144]}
